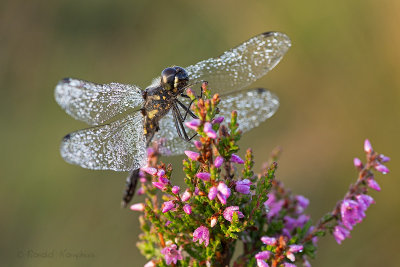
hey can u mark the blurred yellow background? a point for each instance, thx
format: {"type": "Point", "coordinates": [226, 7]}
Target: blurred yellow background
{"type": "Point", "coordinates": [338, 84]}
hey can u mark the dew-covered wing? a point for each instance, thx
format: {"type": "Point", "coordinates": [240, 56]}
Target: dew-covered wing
{"type": "Point", "coordinates": [253, 106]}
{"type": "Point", "coordinates": [119, 145]}
{"type": "Point", "coordinates": [96, 103]}
{"type": "Point", "coordinates": [170, 142]}
{"type": "Point", "coordinates": [241, 66]}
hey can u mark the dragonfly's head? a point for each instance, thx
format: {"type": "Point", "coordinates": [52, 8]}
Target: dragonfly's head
{"type": "Point", "coordinates": [174, 79]}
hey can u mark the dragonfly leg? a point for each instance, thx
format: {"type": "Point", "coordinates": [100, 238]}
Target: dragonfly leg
{"type": "Point", "coordinates": [187, 109]}
{"type": "Point", "coordinates": [179, 123]}
{"type": "Point", "coordinates": [178, 129]}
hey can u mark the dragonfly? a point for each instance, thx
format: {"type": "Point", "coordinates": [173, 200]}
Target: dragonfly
{"type": "Point", "coordinates": [125, 119]}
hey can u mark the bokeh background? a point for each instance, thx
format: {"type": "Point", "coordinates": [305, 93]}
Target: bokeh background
{"type": "Point", "coordinates": [338, 84]}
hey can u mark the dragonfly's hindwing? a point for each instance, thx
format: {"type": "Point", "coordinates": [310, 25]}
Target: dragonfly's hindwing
{"type": "Point", "coordinates": [253, 107]}
{"type": "Point", "coordinates": [118, 146]}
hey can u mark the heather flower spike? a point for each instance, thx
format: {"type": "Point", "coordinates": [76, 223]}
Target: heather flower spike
{"type": "Point", "coordinates": [224, 202]}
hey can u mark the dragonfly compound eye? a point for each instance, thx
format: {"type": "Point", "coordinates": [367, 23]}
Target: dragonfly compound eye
{"type": "Point", "coordinates": [168, 78]}
{"type": "Point", "coordinates": [181, 78]}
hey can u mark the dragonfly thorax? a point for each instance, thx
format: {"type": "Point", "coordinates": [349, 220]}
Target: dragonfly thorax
{"type": "Point", "coordinates": [174, 79]}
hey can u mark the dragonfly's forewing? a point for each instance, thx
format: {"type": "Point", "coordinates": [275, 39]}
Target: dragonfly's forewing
{"type": "Point", "coordinates": [253, 107]}
{"type": "Point", "coordinates": [96, 103]}
{"type": "Point", "coordinates": [239, 67]}
{"type": "Point", "coordinates": [119, 145]}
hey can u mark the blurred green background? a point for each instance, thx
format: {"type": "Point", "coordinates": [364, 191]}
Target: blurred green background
{"type": "Point", "coordinates": [338, 84]}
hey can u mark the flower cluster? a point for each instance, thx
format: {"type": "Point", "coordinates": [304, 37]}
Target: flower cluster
{"type": "Point", "coordinates": [200, 225]}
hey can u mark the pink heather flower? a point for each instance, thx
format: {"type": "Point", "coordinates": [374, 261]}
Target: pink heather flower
{"type": "Point", "coordinates": [290, 256]}
{"type": "Point", "coordinates": [150, 170]}
{"type": "Point", "coordinates": [205, 176]}
{"type": "Point", "coordinates": [367, 146]}
{"type": "Point", "coordinates": [351, 213]}
{"type": "Point", "coordinates": [287, 264]}
{"type": "Point", "coordinates": [171, 254]}
{"type": "Point", "coordinates": [193, 124]}
{"type": "Point", "coordinates": [383, 158]}
{"type": "Point", "coordinates": [137, 207]}
{"type": "Point", "coordinates": [202, 234]}
{"type": "Point", "coordinates": [306, 263]}
{"type": "Point", "coordinates": [315, 238]}
{"type": "Point", "coordinates": [261, 263]}
{"type": "Point", "coordinates": [218, 161]}
{"type": "Point", "coordinates": [381, 168]}
{"type": "Point", "coordinates": [340, 233]}
{"type": "Point", "coordinates": [373, 184]}
{"type": "Point", "coordinates": [159, 185]}
{"type": "Point", "coordinates": [365, 201]}
{"type": "Point", "coordinates": [236, 159]}
{"type": "Point", "coordinates": [273, 206]}
{"type": "Point", "coordinates": [175, 189]}
{"type": "Point", "coordinates": [190, 92]}
{"type": "Point", "coordinates": [168, 205]}
{"type": "Point", "coordinates": [268, 240]}
{"type": "Point", "coordinates": [197, 144]}
{"type": "Point", "coordinates": [150, 151]}
{"type": "Point", "coordinates": [302, 203]}
{"type": "Point", "coordinates": [186, 195]}
{"type": "Point", "coordinates": [187, 209]}
{"type": "Point", "coordinates": [163, 180]}
{"type": "Point", "coordinates": [295, 248]}
{"type": "Point", "coordinates": [291, 223]}
{"type": "Point", "coordinates": [150, 264]}
{"type": "Point", "coordinates": [160, 173]}
{"type": "Point", "coordinates": [213, 222]}
{"type": "Point", "coordinates": [218, 120]}
{"type": "Point", "coordinates": [357, 162]}
{"type": "Point", "coordinates": [243, 186]}
{"type": "Point", "coordinates": [228, 213]}
{"type": "Point", "coordinates": [192, 155]}
{"type": "Point", "coordinates": [223, 192]}
{"type": "Point", "coordinates": [140, 191]}
{"type": "Point", "coordinates": [263, 255]}
{"type": "Point", "coordinates": [168, 223]}
{"type": "Point", "coordinates": [212, 193]}
{"type": "Point", "coordinates": [209, 130]}
{"type": "Point", "coordinates": [286, 233]}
